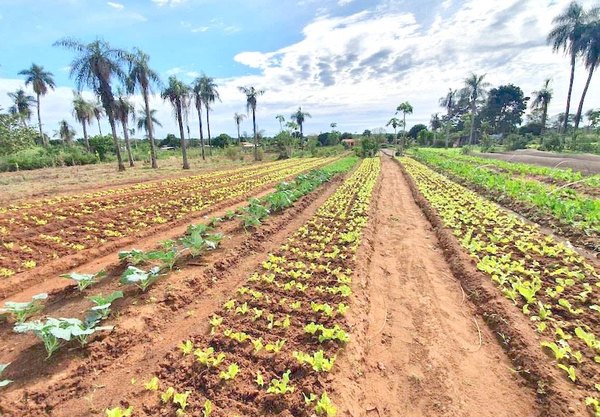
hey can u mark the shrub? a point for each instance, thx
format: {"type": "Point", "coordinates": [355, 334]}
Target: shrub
{"type": "Point", "coordinates": [514, 141]}
{"type": "Point", "coordinates": [552, 142]}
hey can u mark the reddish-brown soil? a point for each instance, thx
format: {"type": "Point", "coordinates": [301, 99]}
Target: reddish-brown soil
{"type": "Point", "coordinates": [586, 163]}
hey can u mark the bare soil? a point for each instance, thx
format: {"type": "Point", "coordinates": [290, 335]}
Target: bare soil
{"type": "Point", "coordinates": [586, 163]}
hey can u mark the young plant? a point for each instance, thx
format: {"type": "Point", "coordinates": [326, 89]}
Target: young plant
{"type": "Point", "coordinates": [207, 409]}
{"type": "Point", "coordinates": [334, 333]}
{"type": "Point", "coordinates": [84, 280]}
{"type": "Point", "coordinates": [4, 382]}
{"type": "Point", "coordinates": [140, 278]}
{"type": "Point", "coordinates": [281, 386]}
{"type": "Point", "coordinates": [119, 412]}
{"type": "Point", "coordinates": [275, 347]}
{"type": "Point", "coordinates": [133, 257]}
{"type": "Point", "coordinates": [152, 385]}
{"type": "Point", "coordinates": [325, 407]}
{"type": "Point", "coordinates": [102, 308]}
{"type": "Point", "coordinates": [318, 361]}
{"type": "Point", "coordinates": [186, 347]}
{"type": "Point", "coordinates": [231, 373]}
{"type": "Point", "coordinates": [22, 311]}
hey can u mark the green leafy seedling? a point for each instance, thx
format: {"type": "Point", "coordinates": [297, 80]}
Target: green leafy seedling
{"type": "Point", "coordinates": [84, 280]}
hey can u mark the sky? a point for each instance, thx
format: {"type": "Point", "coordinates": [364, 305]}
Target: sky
{"type": "Point", "coordinates": [345, 61]}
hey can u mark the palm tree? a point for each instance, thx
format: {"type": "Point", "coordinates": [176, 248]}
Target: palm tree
{"type": "Point", "coordinates": [95, 66]}
{"type": "Point", "coordinates": [207, 89]}
{"type": "Point", "coordinates": [251, 96]}
{"type": "Point", "coordinates": [299, 116]}
{"type": "Point", "coordinates": [541, 101]}
{"type": "Point", "coordinates": [197, 95]}
{"type": "Point", "coordinates": [66, 132]}
{"type": "Point", "coordinates": [475, 89]}
{"type": "Point", "coordinates": [591, 54]}
{"type": "Point", "coordinates": [41, 80]}
{"type": "Point", "coordinates": [143, 78]}
{"type": "Point", "coordinates": [123, 109]}
{"type": "Point", "coordinates": [566, 36]}
{"type": "Point", "coordinates": [238, 118]}
{"type": "Point", "coordinates": [333, 125]}
{"type": "Point", "coordinates": [447, 102]}
{"type": "Point", "coordinates": [281, 119]}
{"type": "Point", "coordinates": [98, 114]}
{"type": "Point", "coordinates": [593, 116]}
{"type": "Point", "coordinates": [405, 108]}
{"type": "Point", "coordinates": [22, 105]}
{"type": "Point", "coordinates": [177, 93]}
{"type": "Point", "coordinates": [83, 111]}
{"type": "Point", "coordinates": [143, 120]}
{"type": "Point", "coordinates": [394, 122]}
{"type": "Point", "coordinates": [436, 124]}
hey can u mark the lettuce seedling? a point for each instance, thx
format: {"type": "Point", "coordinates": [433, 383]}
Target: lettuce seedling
{"type": "Point", "coordinates": [139, 277]}
{"type": "Point", "coordinates": [260, 381]}
{"type": "Point", "coordinates": [325, 407]}
{"type": "Point", "coordinates": [180, 399]}
{"type": "Point", "coordinates": [186, 347]}
{"type": "Point", "coordinates": [119, 412]}
{"type": "Point", "coordinates": [84, 280]}
{"type": "Point", "coordinates": [231, 373]}
{"type": "Point", "coordinates": [152, 385]}
{"type": "Point", "coordinates": [207, 409]}
{"type": "Point", "coordinates": [22, 311]}
{"type": "Point", "coordinates": [318, 361]}
{"type": "Point", "coordinates": [4, 382]}
{"type": "Point", "coordinates": [281, 386]}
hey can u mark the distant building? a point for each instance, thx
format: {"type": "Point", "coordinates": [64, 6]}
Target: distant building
{"type": "Point", "coordinates": [350, 143]}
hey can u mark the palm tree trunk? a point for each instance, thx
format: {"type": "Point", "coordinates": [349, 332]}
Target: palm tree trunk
{"type": "Point", "coordinates": [255, 137]}
{"type": "Point", "coordinates": [186, 164]}
{"type": "Point", "coordinates": [402, 141]}
{"type": "Point", "coordinates": [239, 138]}
{"type": "Point", "coordinates": [149, 128]}
{"type": "Point", "coordinates": [99, 127]}
{"type": "Point", "coordinates": [43, 139]}
{"type": "Point", "coordinates": [113, 128]}
{"type": "Point", "coordinates": [448, 131]}
{"type": "Point", "coordinates": [566, 121]}
{"type": "Point", "coordinates": [201, 138]}
{"type": "Point", "coordinates": [127, 144]}
{"type": "Point", "coordinates": [85, 136]}
{"type": "Point", "coordinates": [587, 85]}
{"type": "Point", "coordinates": [208, 129]}
{"type": "Point", "coordinates": [472, 124]}
{"type": "Point", "coordinates": [544, 117]}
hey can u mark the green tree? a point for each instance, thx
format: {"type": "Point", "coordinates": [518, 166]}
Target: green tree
{"type": "Point", "coordinates": [566, 35]}
{"type": "Point", "coordinates": [13, 136]}
{"type": "Point", "coordinates": [300, 116]}
{"type": "Point", "coordinates": [177, 93]}
{"type": "Point", "coordinates": [395, 123]}
{"type": "Point", "coordinates": [448, 102]}
{"type": "Point", "coordinates": [504, 108]}
{"type": "Point", "coordinates": [143, 121]}
{"type": "Point", "coordinates": [143, 78]}
{"type": "Point", "coordinates": [98, 114]}
{"type": "Point", "coordinates": [123, 110]}
{"type": "Point", "coordinates": [41, 81]}
{"type": "Point", "coordinates": [208, 93]}
{"type": "Point", "coordinates": [222, 141]}
{"type": "Point", "coordinates": [541, 100]}
{"type": "Point", "coordinates": [21, 107]}
{"type": "Point", "coordinates": [238, 118]}
{"type": "Point", "coordinates": [475, 89]}
{"type": "Point", "coordinates": [404, 108]}
{"type": "Point", "coordinates": [65, 132]}
{"type": "Point", "coordinates": [413, 133]}
{"type": "Point", "coordinates": [251, 101]}
{"type": "Point", "coordinates": [281, 119]}
{"type": "Point", "coordinates": [436, 124]}
{"type": "Point", "coordinates": [83, 111]}
{"type": "Point", "coordinates": [95, 66]}
{"type": "Point", "coordinates": [593, 116]}
{"type": "Point", "coordinates": [591, 53]}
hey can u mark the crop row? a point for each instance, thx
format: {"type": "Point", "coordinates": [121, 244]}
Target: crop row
{"type": "Point", "coordinates": [549, 282]}
{"type": "Point", "coordinates": [563, 204]}
{"type": "Point", "coordinates": [273, 341]}
{"type": "Point", "coordinates": [91, 227]}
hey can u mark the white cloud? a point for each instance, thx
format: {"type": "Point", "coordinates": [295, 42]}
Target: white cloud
{"type": "Point", "coordinates": [114, 5]}
{"type": "Point", "coordinates": [344, 2]}
{"type": "Point", "coordinates": [168, 2]}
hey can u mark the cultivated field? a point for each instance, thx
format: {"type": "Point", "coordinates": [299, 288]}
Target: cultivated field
{"type": "Point", "coordinates": [438, 284]}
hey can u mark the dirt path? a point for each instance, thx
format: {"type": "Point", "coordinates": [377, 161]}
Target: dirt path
{"type": "Point", "coordinates": [416, 345]}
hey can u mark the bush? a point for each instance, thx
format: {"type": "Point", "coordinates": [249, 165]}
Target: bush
{"type": "Point", "coordinates": [102, 146]}
{"type": "Point", "coordinates": [222, 141]}
{"type": "Point", "coordinates": [233, 153]}
{"type": "Point", "coordinates": [514, 141]}
{"type": "Point", "coordinates": [39, 157]}
{"type": "Point", "coordinates": [13, 136]}
{"type": "Point", "coordinates": [466, 150]}
{"type": "Point", "coordinates": [368, 147]}
{"type": "Point", "coordinates": [552, 142]}
{"type": "Point", "coordinates": [487, 143]}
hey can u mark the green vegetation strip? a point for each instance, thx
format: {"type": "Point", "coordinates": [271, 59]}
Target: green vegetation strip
{"type": "Point", "coordinates": [551, 284]}
{"type": "Point", "coordinates": [563, 204]}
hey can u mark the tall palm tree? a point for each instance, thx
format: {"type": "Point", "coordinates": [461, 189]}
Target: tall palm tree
{"type": "Point", "coordinates": [66, 132]}
{"type": "Point", "coordinates": [591, 53]}
{"type": "Point", "coordinates": [143, 120]}
{"type": "Point", "coordinates": [238, 118]}
{"type": "Point", "coordinates": [123, 110]}
{"type": "Point", "coordinates": [208, 95]}
{"type": "Point", "coordinates": [41, 81]}
{"type": "Point", "coordinates": [281, 119]}
{"type": "Point", "coordinates": [98, 114]}
{"type": "Point", "coordinates": [299, 116]}
{"type": "Point", "coordinates": [142, 78]}
{"type": "Point", "coordinates": [404, 108]}
{"type": "Point", "coordinates": [251, 96]}
{"type": "Point", "coordinates": [475, 89]}
{"type": "Point", "coordinates": [435, 124]}
{"type": "Point", "coordinates": [197, 96]}
{"type": "Point", "coordinates": [177, 93]}
{"type": "Point", "coordinates": [394, 122]}
{"type": "Point", "coordinates": [447, 102]}
{"type": "Point", "coordinates": [95, 66]}
{"type": "Point", "coordinates": [83, 111]}
{"type": "Point", "coordinates": [541, 101]}
{"type": "Point", "coordinates": [566, 35]}
{"type": "Point", "coordinates": [22, 105]}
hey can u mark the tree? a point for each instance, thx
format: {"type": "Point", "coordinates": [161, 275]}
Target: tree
{"type": "Point", "coordinates": [447, 102]}
{"type": "Point", "coordinates": [207, 90]}
{"type": "Point", "coordinates": [395, 123]}
{"type": "Point", "coordinates": [222, 141]}
{"type": "Point", "coordinates": [65, 132]}
{"type": "Point", "coordinates": [13, 136]}
{"type": "Point", "coordinates": [95, 66]}
{"type": "Point", "coordinates": [98, 114]}
{"type": "Point", "coordinates": [238, 118]}
{"type": "Point", "coordinates": [143, 122]}
{"type": "Point", "coordinates": [591, 53]}
{"type": "Point", "coordinates": [143, 78]}
{"type": "Point", "coordinates": [177, 93]}
{"type": "Point", "coordinates": [197, 96]}
{"type": "Point", "coordinates": [475, 89]}
{"type": "Point", "coordinates": [281, 119]}
{"type": "Point", "coordinates": [541, 100]}
{"type": "Point", "coordinates": [299, 116]}
{"type": "Point", "coordinates": [83, 111]}
{"type": "Point", "coordinates": [123, 110]}
{"type": "Point", "coordinates": [504, 108]}
{"type": "Point", "coordinates": [566, 35]}
{"type": "Point", "coordinates": [41, 81]}
{"type": "Point", "coordinates": [413, 133]}
{"type": "Point", "coordinates": [251, 96]}
{"type": "Point", "coordinates": [333, 125]}
{"type": "Point", "coordinates": [22, 105]}
{"type": "Point", "coordinates": [436, 124]}
{"type": "Point", "coordinates": [404, 108]}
